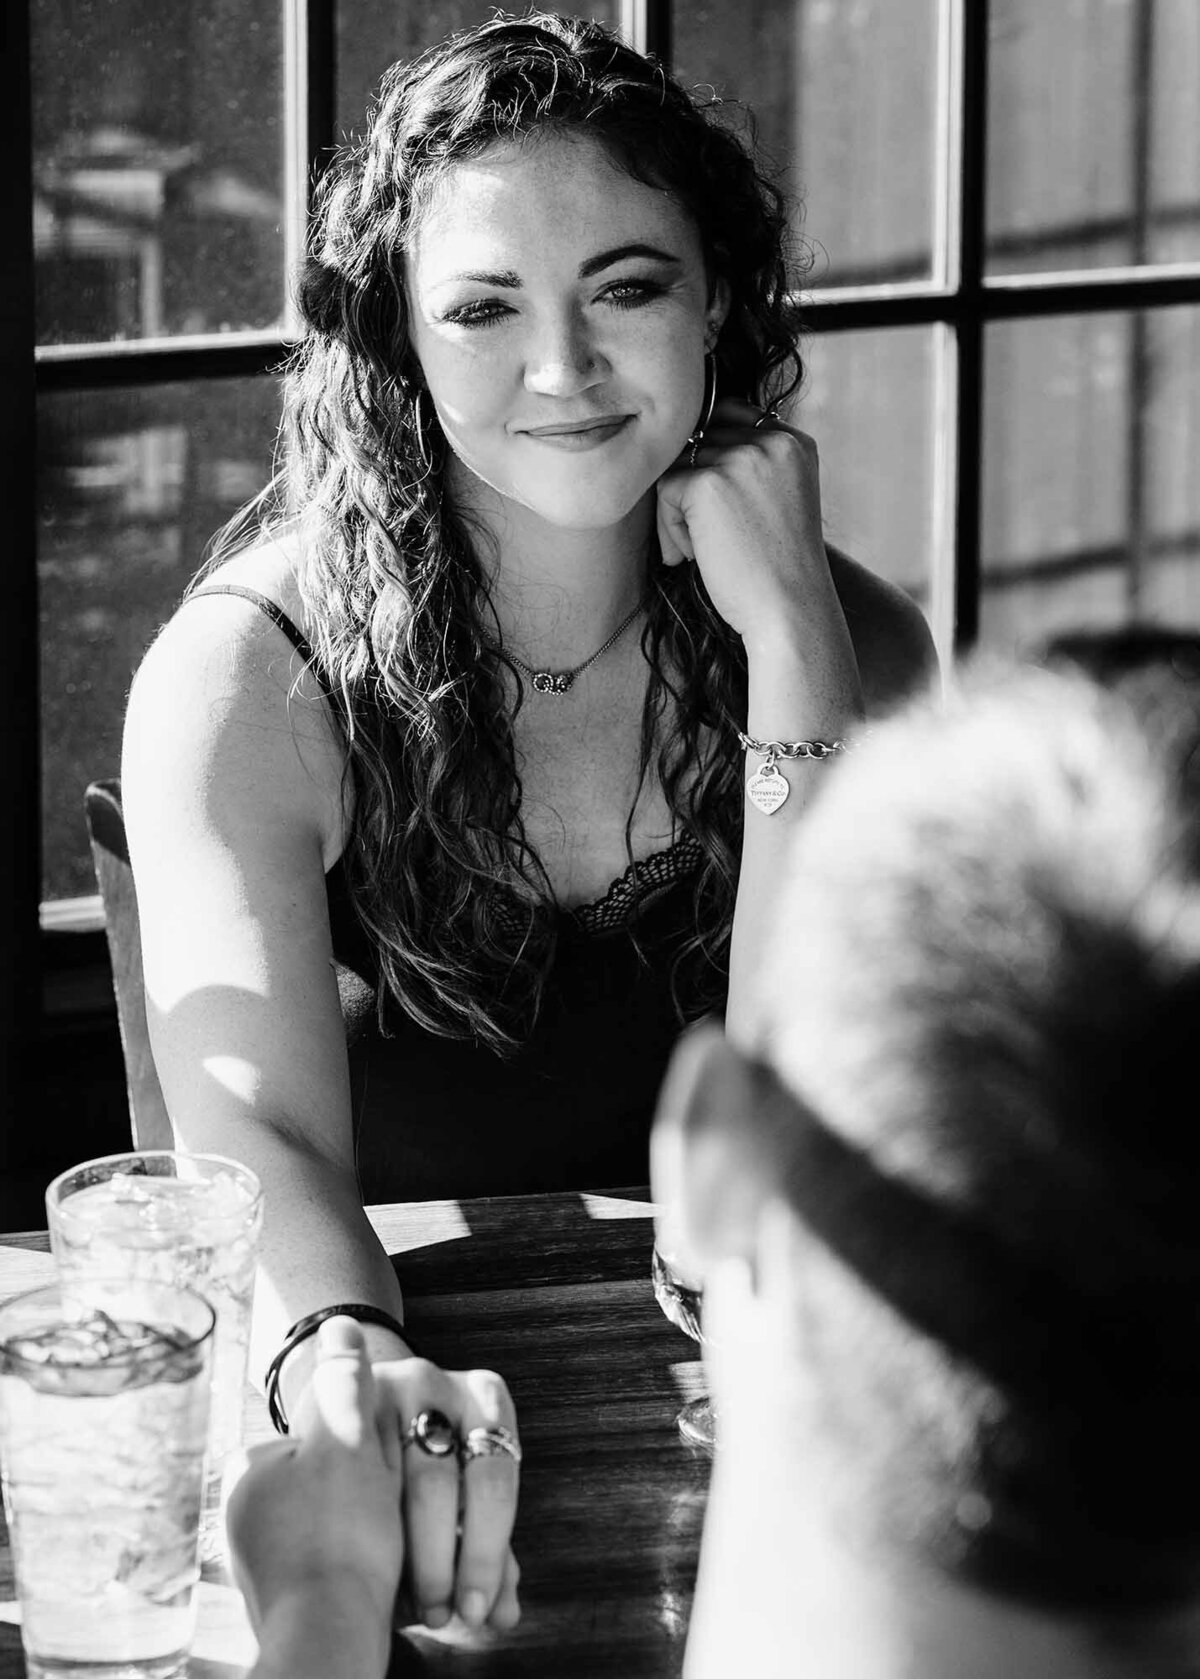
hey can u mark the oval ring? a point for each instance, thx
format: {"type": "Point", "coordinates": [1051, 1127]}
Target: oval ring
{"type": "Point", "coordinates": [767, 414]}
{"type": "Point", "coordinates": [489, 1442]}
{"type": "Point", "coordinates": [433, 1432]}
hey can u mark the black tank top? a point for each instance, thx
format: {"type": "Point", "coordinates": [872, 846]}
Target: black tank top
{"type": "Point", "coordinates": [436, 1117]}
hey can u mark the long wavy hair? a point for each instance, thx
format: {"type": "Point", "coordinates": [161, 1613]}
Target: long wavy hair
{"type": "Point", "coordinates": [443, 878]}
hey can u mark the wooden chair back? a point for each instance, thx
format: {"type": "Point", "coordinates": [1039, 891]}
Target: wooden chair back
{"type": "Point", "coordinates": [149, 1123]}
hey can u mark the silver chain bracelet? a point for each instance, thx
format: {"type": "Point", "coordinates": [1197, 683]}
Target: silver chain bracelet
{"type": "Point", "coordinates": [773, 749]}
{"type": "Point", "coordinates": [768, 787]}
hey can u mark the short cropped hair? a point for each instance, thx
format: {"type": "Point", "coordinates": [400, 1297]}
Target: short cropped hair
{"type": "Point", "coordinates": [1156, 669]}
{"type": "Point", "coordinates": [984, 987]}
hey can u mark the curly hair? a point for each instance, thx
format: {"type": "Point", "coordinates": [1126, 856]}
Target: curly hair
{"type": "Point", "coordinates": [442, 875]}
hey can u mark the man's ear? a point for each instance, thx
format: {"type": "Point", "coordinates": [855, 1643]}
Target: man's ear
{"type": "Point", "coordinates": [713, 1151]}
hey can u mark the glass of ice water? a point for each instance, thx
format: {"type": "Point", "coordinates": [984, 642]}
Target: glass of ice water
{"type": "Point", "coordinates": [104, 1413]}
{"type": "Point", "coordinates": [681, 1304]}
{"type": "Point", "coordinates": [188, 1220]}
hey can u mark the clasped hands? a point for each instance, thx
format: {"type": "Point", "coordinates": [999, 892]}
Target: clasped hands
{"type": "Point", "coordinates": [340, 1513]}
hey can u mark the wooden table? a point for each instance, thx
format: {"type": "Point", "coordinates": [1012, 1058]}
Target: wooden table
{"type": "Point", "coordinates": [553, 1291]}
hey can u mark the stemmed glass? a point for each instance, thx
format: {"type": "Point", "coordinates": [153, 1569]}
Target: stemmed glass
{"type": "Point", "coordinates": [681, 1304]}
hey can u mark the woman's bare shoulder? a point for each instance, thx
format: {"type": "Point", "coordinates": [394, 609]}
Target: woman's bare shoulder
{"type": "Point", "coordinates": [892, 640]}
{"type": "Point", "coordinates": [225, 637]}
{"type": "Point", "coordinates": [222, 705]}
{"type": "Point", "coordinates": [223, 648]}
{"type": "Point", "coordinates": [270, 566]}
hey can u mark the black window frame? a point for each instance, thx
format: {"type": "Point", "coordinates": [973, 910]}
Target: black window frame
{"type": "Point", "coordinates": [964, 303]}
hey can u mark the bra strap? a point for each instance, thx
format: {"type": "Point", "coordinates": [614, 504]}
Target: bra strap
{"type": "Point", "coordinates": [264, 604]}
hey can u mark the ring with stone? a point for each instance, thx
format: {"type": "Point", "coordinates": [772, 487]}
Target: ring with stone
{"type": "Point", "coordinates": [489, 1442]}
{"type": "Point", "coordinates": [433, 1432]}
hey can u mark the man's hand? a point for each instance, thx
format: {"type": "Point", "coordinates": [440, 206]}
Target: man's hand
{"type": "Point", "coordinates": [315, 1528]}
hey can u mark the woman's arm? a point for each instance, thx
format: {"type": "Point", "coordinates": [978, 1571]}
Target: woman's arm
{"type": "Point", "coordinates": [231, 787]}
{"type": "Point", "coordinates": [826, 642]}
{"type": "Point", "coordinates": [232, 784]}
{"type": "Point", "coordinates": [802, 686]}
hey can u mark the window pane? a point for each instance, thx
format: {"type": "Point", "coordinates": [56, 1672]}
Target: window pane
{"type": "Point", "coordinates": [158, 167]}
{"type": "Point", "coordinates": [371, 34]}
{"type": "Point", "coordinates": [869, 404]}
{"type": "Point", "coordinates": [1091, 498]}
{"type": "Point", "coordinates": [1110, 94]}
{"type": "Point", "coordinates": [845, 99]}
{"type": "Point", "coordinates": [132, 485]}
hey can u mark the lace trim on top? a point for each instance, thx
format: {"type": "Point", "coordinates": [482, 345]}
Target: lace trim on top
{"type": "Point", "coordinates": [641, 882]}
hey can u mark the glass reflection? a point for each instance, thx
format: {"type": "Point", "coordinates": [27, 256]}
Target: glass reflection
{"type": "Point", "coordinates": [371, 34]}
{"type": "Point", "coordinates": [869, 403]}
{"type": "Point", "coordinates": [132, 485]}
{"type": "Point", "coordinates": [1110, 93]}
{"type": "Point", "coordinates": [844, 98]}
{"type": "Point", "coordinates": [158, 167]}
{"type": "Point", "coordinates": [1091, 502]}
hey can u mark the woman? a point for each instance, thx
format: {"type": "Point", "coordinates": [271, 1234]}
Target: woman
{"type": "Point", "coordinates": [464, 741]}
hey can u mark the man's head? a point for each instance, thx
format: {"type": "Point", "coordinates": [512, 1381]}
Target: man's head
{"type": "Point", "coordinates": [944, 1200]}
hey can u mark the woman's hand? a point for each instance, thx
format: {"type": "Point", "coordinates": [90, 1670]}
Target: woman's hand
{"type": "Point", "coordinates": [314, 1523]}
{"type": "Point", "coordinates": [458, 1516]}
{"type": "Point", "coordinates": [748, 512]}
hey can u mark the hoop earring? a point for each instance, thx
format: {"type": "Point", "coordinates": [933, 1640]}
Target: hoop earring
{"type": "Point", "coordinates": [706, 411]}
{"type": "Point", "coordinates": [423, 449]}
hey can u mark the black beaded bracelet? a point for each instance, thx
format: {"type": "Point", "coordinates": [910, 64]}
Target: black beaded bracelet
{"type": "Point", "coordinates": [304, 1327]}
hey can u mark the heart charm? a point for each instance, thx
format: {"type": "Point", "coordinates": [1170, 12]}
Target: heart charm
{"type": "Point", "coordinates": [768, 789]}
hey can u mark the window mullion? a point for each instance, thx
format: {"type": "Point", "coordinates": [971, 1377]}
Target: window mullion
{"type": "Point", "coordinates": [321, 86]}
{"type": "Point", "coordinates": [972, 81]}
{"type": "Point", "coordinates": [646, 25]}
{"type": "Point", "coordinates": [1141, 372]}
{"type": "Point", "coordinates": [948, 138]}
{"type": "Point", "coordinates": [295, 145]}
{"type": "Point", "coordinates": [631, 21]}
{"type": "Point", "coordinates": [20, 844]}
{"type": "Point", "coordinates": [310, 74]}
{"type": "Point", "coordinates": [946, 278]}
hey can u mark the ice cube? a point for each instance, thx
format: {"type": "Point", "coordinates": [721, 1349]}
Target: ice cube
{"type": "Point", "coordinates": [95, 1355]}
{"type": "Point", "coordinates": [228, 1196]}
{"type": "Point", "coordinates": [128, 1186]}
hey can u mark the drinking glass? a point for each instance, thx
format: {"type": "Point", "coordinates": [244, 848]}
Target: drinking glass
{"type": "Point", "coordinates": [104, 1413]}
{"type": "Point", "coordinates": [681, 1303]}
{"type": "Point", "coordinates": [189, 1220]}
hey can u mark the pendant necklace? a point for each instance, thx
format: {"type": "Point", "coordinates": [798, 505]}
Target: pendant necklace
{"type": "Point", "coordinates": [562, 681]}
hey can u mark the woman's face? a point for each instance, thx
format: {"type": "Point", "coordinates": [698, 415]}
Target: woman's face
{"type": "Point", "coordinates": [560, 311]}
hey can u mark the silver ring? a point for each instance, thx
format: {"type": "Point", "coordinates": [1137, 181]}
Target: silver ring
{"type": "Point", "coordinates": [767, 414]}
{"type": "Point", "coordinates": [489, 1442]}
{"type": "Point", "coordinates": [433, 1432]}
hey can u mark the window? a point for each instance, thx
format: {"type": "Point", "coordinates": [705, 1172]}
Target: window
{"type": "Point", "coordinates": [1003, 301]}
{"type": "Point", "coordinates": [1001, 208]}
